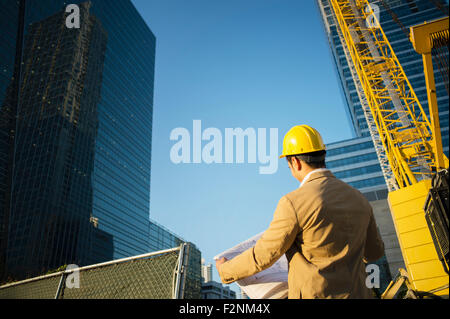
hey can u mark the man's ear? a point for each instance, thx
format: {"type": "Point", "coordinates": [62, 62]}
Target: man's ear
{"type": "Point", "coordinates": [296, 164]}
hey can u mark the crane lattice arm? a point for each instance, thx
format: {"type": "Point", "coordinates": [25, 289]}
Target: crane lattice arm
{"type": "Point", "coordinates": [402, 124]}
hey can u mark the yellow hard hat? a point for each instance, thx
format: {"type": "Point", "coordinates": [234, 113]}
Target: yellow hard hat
{"type": "Point", "coordinates": [302, 139]}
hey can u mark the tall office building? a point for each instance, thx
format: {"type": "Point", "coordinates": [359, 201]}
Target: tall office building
{"type": "Point", "coordinates": [54, 143]}
{"type": "Point", "coordinates": [206, 272]}
{"type": "Point", "coordinates": [355, 160]}
{"type": "Point", "coordinates": [161, 237]}
{"type": "Point", "coordinates": [75, 120]}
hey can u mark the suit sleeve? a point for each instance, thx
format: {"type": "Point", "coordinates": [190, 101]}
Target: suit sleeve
{"type": "Point", "coordinates": [275, 241]}
{"type": "Point", "coordinates": [374, 248]}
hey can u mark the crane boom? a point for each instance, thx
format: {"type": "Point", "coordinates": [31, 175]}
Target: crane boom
{"type": "Point", "coordinates": [389, 177]}
{"type": "Point", "coordinates": [402, 124]}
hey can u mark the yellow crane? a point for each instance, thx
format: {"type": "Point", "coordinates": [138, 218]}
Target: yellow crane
{"type": "Point", "coordinates": [406, 141]}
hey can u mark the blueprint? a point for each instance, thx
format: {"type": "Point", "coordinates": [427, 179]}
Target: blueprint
{"type": "Point", "coordinates": [267, 284]}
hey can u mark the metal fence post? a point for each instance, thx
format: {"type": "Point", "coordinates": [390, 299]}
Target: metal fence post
{"type": "Point", "coordinates": [60, 286]}
{"type": "Point", "coordinates": [179, 282]}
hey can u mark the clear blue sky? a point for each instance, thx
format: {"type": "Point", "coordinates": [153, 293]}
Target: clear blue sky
{"type": "Point", "coordinates": [253, 63]}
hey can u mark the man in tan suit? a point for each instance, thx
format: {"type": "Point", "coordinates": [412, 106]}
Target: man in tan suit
{"type": "Point", "coordinates": [325, 227]}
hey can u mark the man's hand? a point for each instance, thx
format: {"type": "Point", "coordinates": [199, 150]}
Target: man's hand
{"type": "Point", "coordinates": [220, 262]}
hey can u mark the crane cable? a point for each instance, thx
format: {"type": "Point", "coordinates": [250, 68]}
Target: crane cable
{"type": "Point", "coordinates": [441, 47]}
{"type": "Point", "coordinates": [440, 50]}
{"type": "Point", "coordinates": [395, 18]}
{"type": "Point", "coordinates": [439, 6]}
{"type": "Point", "coordinates": [440, 43]}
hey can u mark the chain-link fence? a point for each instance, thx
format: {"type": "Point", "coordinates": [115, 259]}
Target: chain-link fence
{"type": "Point", "coordinates": [157, 275]}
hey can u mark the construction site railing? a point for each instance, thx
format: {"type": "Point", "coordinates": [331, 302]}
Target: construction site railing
{"type": "Point", "coordinates": [155, 275]}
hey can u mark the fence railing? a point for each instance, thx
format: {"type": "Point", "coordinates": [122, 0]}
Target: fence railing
{"type": "Point", "coordinates": [156, 275]}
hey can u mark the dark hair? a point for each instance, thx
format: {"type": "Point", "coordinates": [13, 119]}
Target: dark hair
{"type": "Point", "coordinates": [313, 159]}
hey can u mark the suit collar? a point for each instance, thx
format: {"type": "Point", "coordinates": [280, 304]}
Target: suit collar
{"type": "Point", "coordinates": [315, 174]}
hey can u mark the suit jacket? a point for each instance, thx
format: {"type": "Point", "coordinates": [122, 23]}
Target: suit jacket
{"type": "Point", "coordinates": [327, 230]}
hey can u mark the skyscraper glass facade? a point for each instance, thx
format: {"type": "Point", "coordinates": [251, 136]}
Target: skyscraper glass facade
{"type": "Point", "coordinates": [162, 238]}
{"type": "Point", "coordinates": [355, 162]}
{"type": "Point", "coordinates": [75, 124]}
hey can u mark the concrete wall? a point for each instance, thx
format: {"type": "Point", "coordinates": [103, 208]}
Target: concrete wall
{"type": "Point", "coordinates": [386, 227]}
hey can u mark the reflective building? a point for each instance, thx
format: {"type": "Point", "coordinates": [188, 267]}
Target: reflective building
{"type": "Point", "coordinates": [54, 143]}
{"type": "Point", "coordinates": [355, 162]}
{"type": "Point", "coordinates": [76, 110]}
{"type": "Point", "coordinates": [162, 238]}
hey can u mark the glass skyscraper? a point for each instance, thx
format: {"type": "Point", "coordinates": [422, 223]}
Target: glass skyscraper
{"type": "Point", "coordinates": [162, 238]}
{"type": "Point", "coordinates": [76, 109]}
{"type": "Point", "coordinates": [355, 162]}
